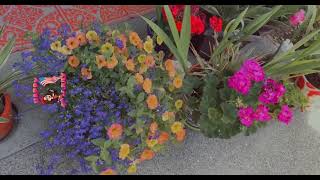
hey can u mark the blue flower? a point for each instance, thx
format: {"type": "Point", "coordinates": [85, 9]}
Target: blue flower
{"type": "Point", "coordinates": [119, 43]}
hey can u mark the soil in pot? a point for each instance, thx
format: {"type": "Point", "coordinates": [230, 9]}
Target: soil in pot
{"type": "Point", "coordinates": [314, 79]}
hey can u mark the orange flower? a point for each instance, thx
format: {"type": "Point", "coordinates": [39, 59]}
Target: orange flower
{"type": "Point", "coordinates": [86, 73]}
{"type": "Point", "coordinates": [172, 73]}
{"type": "Point", "coordinates": [130, 65]}
{"type": "Point", "coordinates": [169, 65]}
{"type": "Point", "coordinates": [72, 43]}
{"type": "Point", "coordinates": [150, 61]}
{"type": "Point", "coordinates": [181, 135]}
{"type": "Point", "coordinates": [147, 85]}
{"type": "Point", "coordinates": [73, 61]}
{"type": "Point", "coordinates": [147, 154]}
{"type": "Point", "coordinates": [152, 102]}
{"type": "Point", "coordinates": [115, 131]}
{"type": "Point", "coordinates": [177, 82]}
{"type": "Point", "coordinates": [139, 78]}
{"type": "Point", "coordinates": [135, 39]}
{"type": "Point", "coordinates": [112, 63]}
{"type": "Point", "coordinates": [163, 137]}
{"type": "Point", "coordinates": [81, 37]}
{"type": "Point", "coordinates": [108, 171]}
{"type": "Point", "coordinates": [153, 127]}
{"type": "Point", "coordinates": [168, 115]}
{"type": "Point", "coordinates": [101, 61]}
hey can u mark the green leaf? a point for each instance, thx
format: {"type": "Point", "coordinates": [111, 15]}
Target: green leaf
{"type": "Point", "coordinates": [98, 142]}
{"type": "Point", "coordinates": [214, 114]}
{"type": "Point", "coordinates": [92, 158]}
{"type": "Point", "coordinates": [5, 52]}
{"type": "Point", "coordinates": [172, 25]}
{"type": "Point", "coordinates": [3, 120]}
{"type": "Point", "coordinates": [168, 42]}
{"type": "Point", "coordinates": [105, 155]}
{"type": "Point", "coordinates": [140, 97]}
{"type": "Point", "coordinates": [259, 22]}
{"type": "Point", "coordinates": [229, 110]}
{"type": "Point", "coordinates": [185, 35]}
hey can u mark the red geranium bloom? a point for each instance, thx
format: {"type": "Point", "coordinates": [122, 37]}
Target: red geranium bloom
{"type": "Point", "coordinates": [179, 25]}
{"type": "Point", "coordinates": [216, 23]}
{"type": "Point", "coordinates": [197, 25]}
{"type": "Point", "coordinates": [175, 10]}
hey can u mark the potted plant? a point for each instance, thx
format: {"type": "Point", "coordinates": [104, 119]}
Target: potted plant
{"type": "Point", "coordinates": [225, 61]}
{"type": "Point", "coordinates": [122, 100]}
{"type": "Point", "coordinates": [6, 119]}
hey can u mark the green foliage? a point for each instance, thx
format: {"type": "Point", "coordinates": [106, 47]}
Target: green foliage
{"type": "Point", "coordinates": [180, 46]}
{"type": "Point", "coordinates": [294, 96]}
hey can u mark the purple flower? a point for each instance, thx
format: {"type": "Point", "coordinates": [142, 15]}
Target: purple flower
{"type": "Point", "coordinates": [246, 116]}
{"type": "Point", "coordinates": [271, 92]}
{"type": "Point", "coordinates": [119, 43]}
{"type": "Point", "coordinates": [253, 69]}
{"type": "Point", "coordinates": [240, 82]}
{"type": "Point", "coordinates": [285, 114]}
{"type": "Point", "coordinates": [262, 113]}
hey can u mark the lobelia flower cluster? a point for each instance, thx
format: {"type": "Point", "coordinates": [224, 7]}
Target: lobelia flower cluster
{"type": "Point", "coordinates": [270, 94]}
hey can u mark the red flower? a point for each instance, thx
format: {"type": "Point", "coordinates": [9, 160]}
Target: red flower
{"type": "Point", "coordinates": [216, 23]}
{"type": "Point", "coordinates": [197, 25]}
{"type": "Point", "coordinates": [179, 25]}
{"type": "Point", "coordinates": [175, 10]}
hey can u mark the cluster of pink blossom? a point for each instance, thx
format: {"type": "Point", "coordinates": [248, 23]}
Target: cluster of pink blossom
{"type": "Point", "coordinates": [297, 18]}
{"type": "Point", "coordinates": [271, 93]}
{"type": "Point", "coordinates": [241, 80]}
{"type": "Point", "coordinates": [248, 115]}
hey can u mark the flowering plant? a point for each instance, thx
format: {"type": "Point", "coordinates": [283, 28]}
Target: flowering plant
{"type": "Point", "coordinates": [244, 101]}
{"type": "Point", "coordinates": [122, 98]}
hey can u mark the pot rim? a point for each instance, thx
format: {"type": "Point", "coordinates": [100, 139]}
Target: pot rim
{"type": "Point", "coordinates": [312, 86]}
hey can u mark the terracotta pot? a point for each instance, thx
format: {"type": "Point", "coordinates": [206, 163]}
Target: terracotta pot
{"type": "Point", "coordinates": [308, 89]}
{"type": "Point", "coordinates": [6, 127]}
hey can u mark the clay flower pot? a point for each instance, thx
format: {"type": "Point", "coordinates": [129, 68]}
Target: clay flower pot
{"type": "Point", "coordinates": [308, 89]}
{"type": "Point", "coordinates": [6, 127]}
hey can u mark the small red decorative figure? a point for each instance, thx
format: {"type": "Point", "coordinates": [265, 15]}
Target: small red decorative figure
{"type": "Point", "coordinates": [51, 96]}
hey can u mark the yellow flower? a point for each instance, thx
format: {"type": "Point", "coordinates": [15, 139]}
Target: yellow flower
{"type": "Point", "coordinates": [92, 36]}
{"type": "Point", "coordinates": [107, 47]}
{"type": "Point", "coordinates": [148, 46]}
{"type": "Point", "coordinates": [159, 40]}
{"type": "Point", "coordinates": [55, 45]}
{"type": "Point", "coordinates": [177, 82]}
{"type": "Point", "coordinates": [64, 50]}
{"type": "Point", "coordinates": [143, 68]}
{"type": "Point", "coordinates": [171, 88]}
{"type": "Point", "coordinates": [124, 151]}
{"type": "Point", "coordinates": [168, 115]}
{"type": "Point", "coordinates": [178, 104]}
{"type": "Point", "coordinates": [176, 127]}
{"type": "Point", "coordinates": [151, 143]}
{"type": "Point", "coordinates": [142, 58]}
{"type": "Point", "coordinates": [132, 169]}
{"type": "Point", "coordinates": [139, 78]}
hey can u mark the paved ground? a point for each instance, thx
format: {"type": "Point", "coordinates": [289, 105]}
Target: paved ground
{"type": "Point", "coordinates": [276, 149]}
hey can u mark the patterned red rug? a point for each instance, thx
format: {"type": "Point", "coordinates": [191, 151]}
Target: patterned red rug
{"type": "Point", "coordinates": [23, 18]}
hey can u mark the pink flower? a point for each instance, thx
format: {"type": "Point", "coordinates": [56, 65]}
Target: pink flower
{"type": "Point", "coordinates": [285, 114]}
{"type": "Point", "coordinates": [297, 18]}
{"type": "Point", "coordinates": [262, 113]}
{"type": "Point", "coordinates": [240, 82]}
{"type": "Point", "coordinates": [271, 92]}
{"type": "Point", "coordinates": [254, 70]}
{"type": "Point", "coordinates": [246, 116]}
